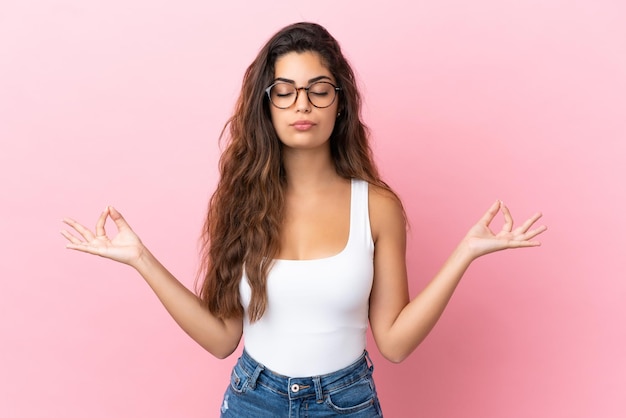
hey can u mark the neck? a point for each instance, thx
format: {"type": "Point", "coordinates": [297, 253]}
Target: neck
{"type": "Point", "coordinates": [309, 170]}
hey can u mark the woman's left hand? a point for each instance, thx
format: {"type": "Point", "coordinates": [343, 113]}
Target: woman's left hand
{"type": "Point", "coordinates": [480, 240]}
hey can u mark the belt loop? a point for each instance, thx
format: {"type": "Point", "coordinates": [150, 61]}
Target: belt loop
{"type": "Point", "coordinates": [255, 376]}
{"type": "Point", "coordinates": [367, 357]}
{"type": "Point", "coordinates": [319, 393]}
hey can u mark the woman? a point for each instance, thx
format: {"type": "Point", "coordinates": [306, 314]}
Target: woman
{"type": "Point", "coordinates": [304, 244]}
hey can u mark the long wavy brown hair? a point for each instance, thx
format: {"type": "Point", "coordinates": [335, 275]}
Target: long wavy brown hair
{"type": "Point", "coordinates": [245, 213]}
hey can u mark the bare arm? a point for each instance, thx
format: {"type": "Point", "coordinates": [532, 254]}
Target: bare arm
{"type": "Point", "coordinates": [400, 325]}
{"type": "Point", "coordinates": [217, 336]}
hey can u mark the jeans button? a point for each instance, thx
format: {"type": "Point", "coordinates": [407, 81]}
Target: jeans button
{"type": "Point", "coordinates": [295, 388]}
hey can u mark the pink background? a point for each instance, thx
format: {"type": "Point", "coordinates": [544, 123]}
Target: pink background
{"type": "Point", "coordinates": [121, 102]}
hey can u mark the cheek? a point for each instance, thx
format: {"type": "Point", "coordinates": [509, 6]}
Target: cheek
{"type": "Point", "coordinates": [278, 122]}
{"type": "Point", "coordinates": [331, 119]}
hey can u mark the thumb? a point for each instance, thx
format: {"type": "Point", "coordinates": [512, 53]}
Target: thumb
{"type": "Point", "coordinates": [117, 217]}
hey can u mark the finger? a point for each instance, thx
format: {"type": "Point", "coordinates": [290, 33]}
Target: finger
{"type": "Point", "coordinates": [85, 248]}
{"type": "Point", "coordinates": [84, 232]}
{"type": "Point", "coordinates": [76, 244]}
{"type": "Point", "coordinates": [100, 231]}
{"type": "Point", "coordinates": [529, 222]}
{"type": "Point", "coordinates": [526, 240]}
{"type": "Point", "coordinates": [490, 214]}
{"type": "Point", "coordinates": [524, 244]}
{"type": "Point", "coordinates": [71, 238]}
{"type": "Point", "coordinates": [533, 233]}
{"type": "Point", "coordinates": [508, 219]}
{"type": "Point", "coordinates": [117, 217]}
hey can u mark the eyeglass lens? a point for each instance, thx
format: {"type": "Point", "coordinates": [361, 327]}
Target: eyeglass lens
{"type": "Point", "coordinates": [321, 94]}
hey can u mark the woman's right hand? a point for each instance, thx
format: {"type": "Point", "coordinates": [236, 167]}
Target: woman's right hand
{"type": "Point", "coordinates": [125, 247]}
{"type": "Point", "coordinates": [218, 336]}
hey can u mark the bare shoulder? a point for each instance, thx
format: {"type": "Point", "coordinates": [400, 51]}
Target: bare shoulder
{"type": "Point", "coordinates": [386, 211]}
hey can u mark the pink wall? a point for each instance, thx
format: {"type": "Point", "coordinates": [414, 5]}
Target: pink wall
{"type": "Point", "coordinates": [121, 102]}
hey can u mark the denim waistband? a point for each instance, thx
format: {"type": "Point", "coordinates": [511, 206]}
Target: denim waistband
{"type": "Point", "coordinates": [300, 387]}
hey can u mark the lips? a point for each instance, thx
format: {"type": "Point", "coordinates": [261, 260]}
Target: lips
{"type": "Point", "coordinates": [303, 125]}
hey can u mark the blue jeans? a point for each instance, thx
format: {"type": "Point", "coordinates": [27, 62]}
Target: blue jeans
{"type": "Point", "coordinates": [256, 392]}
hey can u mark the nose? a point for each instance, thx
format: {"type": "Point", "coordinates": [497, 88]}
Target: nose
{"type": "Point", "coordinates": [302, 100]}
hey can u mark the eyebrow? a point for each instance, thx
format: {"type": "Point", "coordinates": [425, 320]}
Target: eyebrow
{"type": "Point", "coordinates": [311, 81]}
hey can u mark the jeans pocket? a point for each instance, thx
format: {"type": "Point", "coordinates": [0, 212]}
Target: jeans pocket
{"type": "Point", "coordinates": [238, 379]}
{"type": "Point", "coordinates": [355, 397]}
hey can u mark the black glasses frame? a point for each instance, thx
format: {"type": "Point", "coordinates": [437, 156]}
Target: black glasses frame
{"type": "Point", "coordinates": [306, 89]}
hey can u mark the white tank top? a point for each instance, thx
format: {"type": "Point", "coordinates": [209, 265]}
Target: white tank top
{"type": "Point", "coordinates": [317, 312]}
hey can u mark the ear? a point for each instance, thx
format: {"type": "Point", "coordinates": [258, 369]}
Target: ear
{"type": "Point", "coordinates": [340, 109]}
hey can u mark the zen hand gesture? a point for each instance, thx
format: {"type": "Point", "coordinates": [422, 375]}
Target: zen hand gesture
{"type": "Point", "coordinates": [125, 247]}
{"type": "Point", "coordinates": [481, 240]}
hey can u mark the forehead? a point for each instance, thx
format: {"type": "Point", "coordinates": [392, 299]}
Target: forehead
{"type": "Point", "coordinates": [301, 67]}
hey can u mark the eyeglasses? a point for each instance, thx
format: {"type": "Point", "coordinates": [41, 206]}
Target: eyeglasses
{"type": "Point", "coordinates": [321, 94]}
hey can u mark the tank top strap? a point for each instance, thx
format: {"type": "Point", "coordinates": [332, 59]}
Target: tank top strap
{"type": "Point", "coordinates": [360, 229]}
